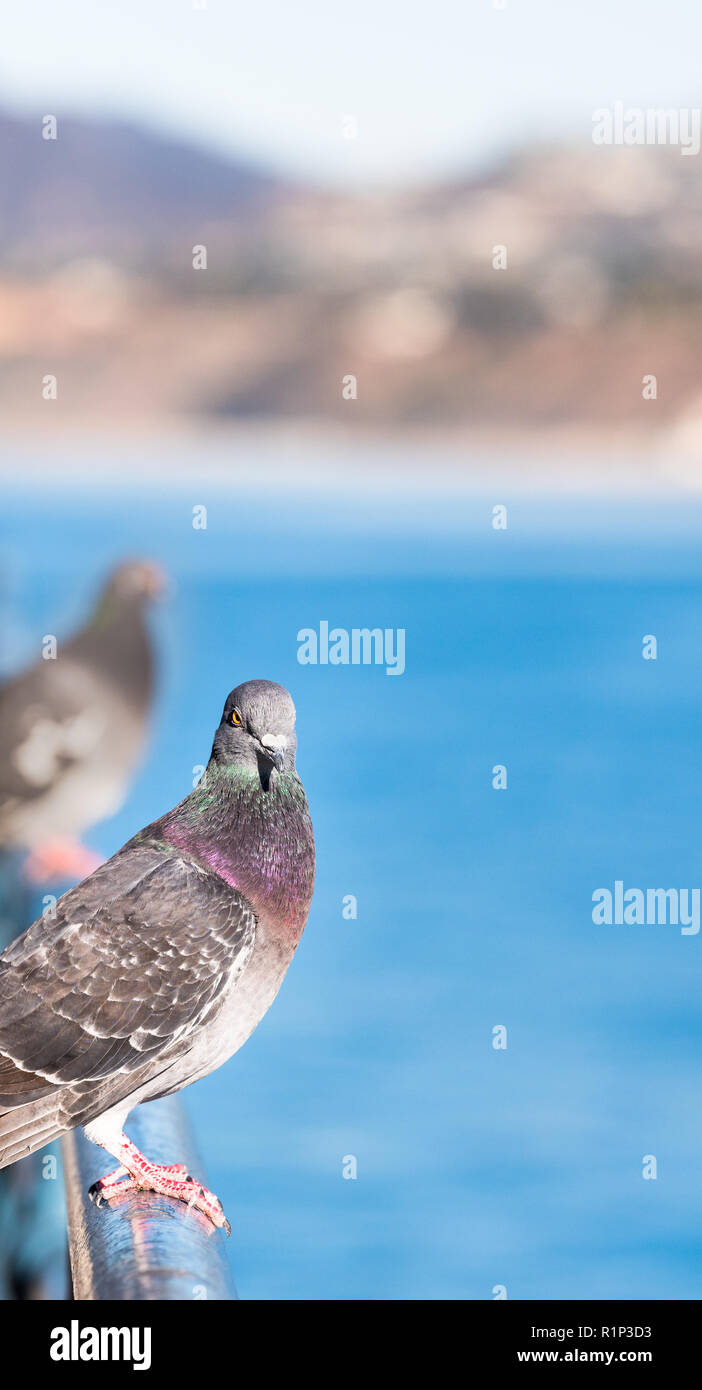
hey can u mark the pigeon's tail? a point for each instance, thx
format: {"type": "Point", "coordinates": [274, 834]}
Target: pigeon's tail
{"type": "Point", "coordinates": [27, 1127]}
{"type": "Point", "coordinates": [28, 1105]}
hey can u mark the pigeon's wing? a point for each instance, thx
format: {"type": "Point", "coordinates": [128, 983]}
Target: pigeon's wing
{"type": "Point", "coordinates": [52, 718]}
{"type": "Point", "coordinates": [135, 960]}
{"type": "Point", "coordinates": [72, 728]}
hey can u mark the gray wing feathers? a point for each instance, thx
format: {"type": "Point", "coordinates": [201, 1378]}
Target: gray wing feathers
{"type": "Point", "coordinates": [52, 717]}
{"type": "Point", "coordinates": [136, 959]}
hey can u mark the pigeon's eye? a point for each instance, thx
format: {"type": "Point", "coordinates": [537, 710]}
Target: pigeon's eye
{"type": "Point", "coordinates": [235, 716]}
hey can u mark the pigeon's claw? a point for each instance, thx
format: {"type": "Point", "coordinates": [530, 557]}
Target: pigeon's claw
{"type": "Point", "coordinates": [174, 1181]}
{"type": "Point", "coordinates": [205, 1201]}
{"type": "Point", "coordinates": [113, 1185]}
{"type": "Point", "coordinates": [165, 1179]}
{"type": "Point", "coordinates": [119, 1181]}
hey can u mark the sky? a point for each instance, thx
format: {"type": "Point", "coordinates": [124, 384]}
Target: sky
{"type": "Point", "coordinates": [435, 88]}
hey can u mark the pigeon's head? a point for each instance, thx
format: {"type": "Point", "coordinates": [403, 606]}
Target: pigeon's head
{"type": "Point", "coordinates": [257, 729]}
{"type": "Point", "coordinates": [135, 581]}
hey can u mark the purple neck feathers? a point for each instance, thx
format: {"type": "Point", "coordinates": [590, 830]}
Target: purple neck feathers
{"type": "Point", "coordinates": [259, 842]}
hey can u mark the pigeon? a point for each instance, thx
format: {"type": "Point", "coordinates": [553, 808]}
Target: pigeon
{"type": "Point", "coordinates": [158, 967]}
{"type": "Point", "coordinates": [72, 728]}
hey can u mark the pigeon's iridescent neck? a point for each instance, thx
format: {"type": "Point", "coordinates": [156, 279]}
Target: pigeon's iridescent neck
{"type": "Point", "coordinates": [260, 842]}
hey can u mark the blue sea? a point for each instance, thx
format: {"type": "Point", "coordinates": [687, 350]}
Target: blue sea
{"type": "Point", "coordinates": [476, 1168]}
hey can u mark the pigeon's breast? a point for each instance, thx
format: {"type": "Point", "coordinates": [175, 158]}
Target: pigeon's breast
{"type": "Point", "coordinates": [244, 1005]}
{"type": "Point", "coordinates": [260, 843]}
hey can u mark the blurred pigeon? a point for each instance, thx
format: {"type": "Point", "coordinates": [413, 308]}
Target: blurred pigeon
{"type": "Point", "coordinates": [159, 966]}
{"type": "Point", "coordinates": [71, 729]}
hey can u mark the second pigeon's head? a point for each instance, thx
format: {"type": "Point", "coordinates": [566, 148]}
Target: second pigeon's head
{"type": "Point", "coordinates": [133, 582]}
{"type": "Point", "coordinates": [257, 729]}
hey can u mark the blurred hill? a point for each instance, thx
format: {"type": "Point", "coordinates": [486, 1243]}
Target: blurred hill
{"type": "Point", "coordinates": [603, 285]}
{"type": "Point", "coordinates": [104, 188]}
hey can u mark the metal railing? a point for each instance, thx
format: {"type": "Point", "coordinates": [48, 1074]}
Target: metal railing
{"type": "Point", "coordinates": [142, 1247]}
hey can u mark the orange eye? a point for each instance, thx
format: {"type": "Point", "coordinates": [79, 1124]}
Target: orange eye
{"type": "Point", "coordinates": [235, 717]}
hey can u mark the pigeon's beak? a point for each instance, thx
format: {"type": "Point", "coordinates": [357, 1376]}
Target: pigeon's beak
{"type": "Point", "coordinates": [274, 746]}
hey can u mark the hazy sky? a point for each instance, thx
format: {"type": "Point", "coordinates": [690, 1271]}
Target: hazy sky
{"type": "Point", "coordinates": [435, 85]}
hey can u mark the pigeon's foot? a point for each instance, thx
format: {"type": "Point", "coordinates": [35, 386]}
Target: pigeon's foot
{"type": "Point", "coordinates": [60, 860]}
{"type": "Point", "coordinates": [112, 1185]}
{"type": "Point", "coordinates": [137, 1174]}
{"type": "Point", "coordinates": [119, 1181]}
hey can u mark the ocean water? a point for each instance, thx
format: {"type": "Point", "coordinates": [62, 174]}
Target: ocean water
{"type": "Point", "coordinates": [476, 1167]}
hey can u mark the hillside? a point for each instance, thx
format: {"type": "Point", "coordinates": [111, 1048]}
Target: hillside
{"type": "Point", "coordinates": [602, 285]}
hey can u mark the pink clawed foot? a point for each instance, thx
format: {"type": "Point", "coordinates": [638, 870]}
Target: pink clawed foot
{"type": "Point", "coordinates": [119, 1181]}
{"type": "Point", "coordinates": [112, 1185]}
{"type": "Point", "coordinates": [165, 1179]}
{"type": "Point", "coordinates": [59, 860]}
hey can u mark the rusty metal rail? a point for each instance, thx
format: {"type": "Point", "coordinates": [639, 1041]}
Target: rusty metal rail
{"type": "Point", "coordinates": [142, 1247]}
